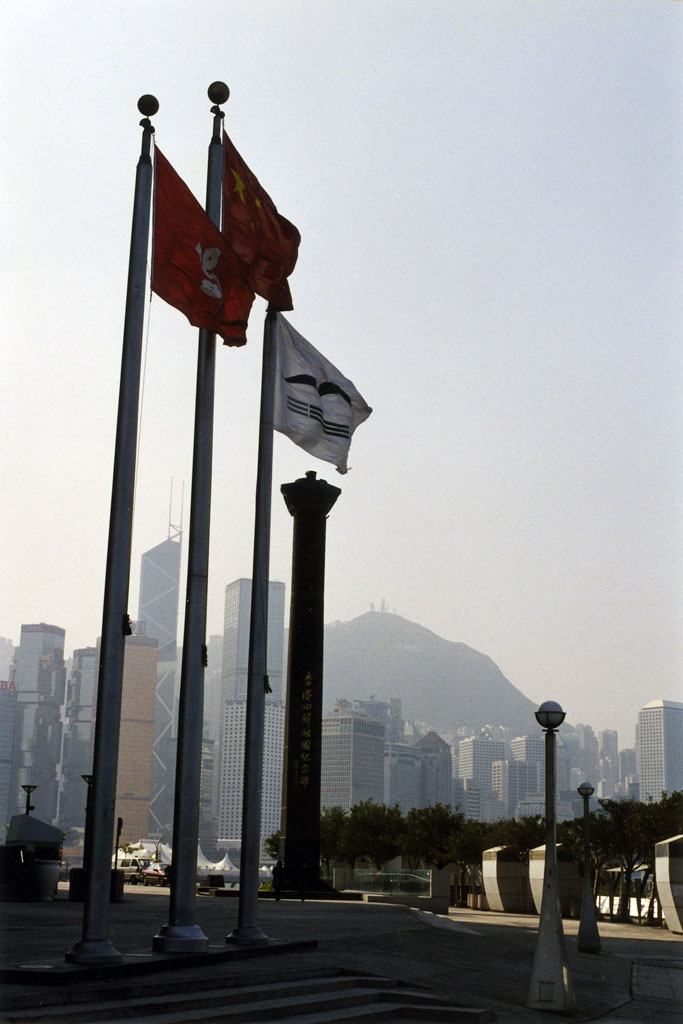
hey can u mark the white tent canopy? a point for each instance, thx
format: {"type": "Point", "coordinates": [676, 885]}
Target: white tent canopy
{"type": "Point", "coordinates": [150, 848]}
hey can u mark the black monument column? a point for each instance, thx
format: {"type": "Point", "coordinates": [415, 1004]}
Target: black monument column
{"type": "Point", "coordinates": [309, 501]}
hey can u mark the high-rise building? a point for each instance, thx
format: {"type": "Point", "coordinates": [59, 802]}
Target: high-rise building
{"type": "Point", "coordinates": [632, 787]}
{"type": "Point", "coordinates": [469, 797]}
{"type": "Point", "coordinates": [39, 674]}
{"type": "Point", "coordinates": [458, 794]}
{"type": "Point", "coordinates": [8, 717]}
{"type": "Point", "coordinates": [608, 763]}
{"type": "Point", "coordinates": [436, 770]}
{"type": "Point", "coordinates": [660, 748]}
{"type": "Point", "coordinates": [513, 781]}
{"type": "Point", "coordinates": [232, 771]}
{"type": "Point", "coordinates": [587, 754]}
{"type": "Point", "coordinates": [454, 761]}
{"type": "Point", "coordinates": [352, 761]}
{"type": "Point", "coordinates": [158, 619]}
{"type": "Point", "coordinates": [476, 756]}
{"type": "Point", "coordinates": [77, 746]}
{"type": "Point", "coordinates": [236, 625]}
{"type": "Point", "coordinates": [563, 767]}
{"type": "Point", "coordinates": [233, 688]}
{"type": "Point", "coordinates": [388, 712]}
{"type": "Point", "coordinates": [6, 657]}
{"type": "Point", "coordinates": [608, 744]}
{"type": "Point", "coordinates": [402, 776]}
{"type": "Point", "coordinates": [136, 737]}
{"type": "Point", "coordinates": [208, 824]}
{"type": "Point", "coordinates": [607, 781]}
{"type": "Point", "coordinates": [159, 587]}
{"type": "Point", "coordinates": [213, 688]}
{"type": "Point", "coordinates": [628, 772]}
{"type": "Point", "coordinates": [531, 749]}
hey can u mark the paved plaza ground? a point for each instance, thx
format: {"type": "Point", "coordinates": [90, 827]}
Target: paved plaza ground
{"type": "Point", "coordinates": [474, 958]}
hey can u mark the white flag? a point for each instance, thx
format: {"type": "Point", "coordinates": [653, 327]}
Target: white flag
{"type": "Point", "coordinates": [315, 405]}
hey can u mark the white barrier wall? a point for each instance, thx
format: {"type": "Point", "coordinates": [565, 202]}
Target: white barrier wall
{"type": "Point", "coordinates": [669, 875]}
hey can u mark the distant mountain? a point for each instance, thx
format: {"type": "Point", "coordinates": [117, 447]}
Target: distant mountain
{"type": "Point", "coordinates": [442, 683]}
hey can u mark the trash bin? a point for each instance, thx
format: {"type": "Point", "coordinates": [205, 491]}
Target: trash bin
{"type": "Point", "coordinates": [31, 859]}
{"type": "Point", "coordinates": [17, 877]}
{"type": "Point", "coordinates": [77, 886]}
{"type": "Point", "coordinates": [47, 878]}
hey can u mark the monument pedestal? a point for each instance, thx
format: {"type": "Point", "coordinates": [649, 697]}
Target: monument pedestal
{"type": "Point", "coordinates": [309, 502]}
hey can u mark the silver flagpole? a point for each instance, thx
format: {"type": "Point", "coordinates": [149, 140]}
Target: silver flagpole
{"type": "Point", "coordinates": [248, 931]}
{"type": "Point", "coordinates": [95, 946]}
{"type": "Point", "coordinates": [181, 934]}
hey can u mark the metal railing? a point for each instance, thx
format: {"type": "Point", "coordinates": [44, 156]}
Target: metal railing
{"type": "Point", "coordinates": [394, 883]}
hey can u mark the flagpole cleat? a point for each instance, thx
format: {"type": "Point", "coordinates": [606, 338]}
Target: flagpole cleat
{"type": "Point", "coordinates": [148, 105]}
{"type": "Point", "coordinates": [218, 92]}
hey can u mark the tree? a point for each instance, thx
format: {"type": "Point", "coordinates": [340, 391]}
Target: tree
{"type": "Point", "coordinates": [623, 835]}
{"type": "Point", "coordinates": [272, 845]}
{"type": "Point", "coordinates": [470, 842]}
{"type": "Point", "coordinates": [570, 837]}
{"type": "Point", "coordinates": [629, 844]}
{"type": "Point", "coordinates": [373, 831]}
{"type": "Point", "coordinates": [333, 825]}
{"type": "Point", "coordinates": [431, 835]}
{"type": "Point", "coordinates": [518, 835]}
{"type": "Point", "coordinates": [600, 847]}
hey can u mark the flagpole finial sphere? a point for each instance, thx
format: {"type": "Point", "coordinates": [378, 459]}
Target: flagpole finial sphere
{"type": "Point", "coordinates": [218, 92]}
{"type": "Point", "coordinates": [148, 105]}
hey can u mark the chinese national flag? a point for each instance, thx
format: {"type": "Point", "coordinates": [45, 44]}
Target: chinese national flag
{"type": "Point", "coordinates": [192, 261]}
{"type": "Point", "coordinates": [265, 243]}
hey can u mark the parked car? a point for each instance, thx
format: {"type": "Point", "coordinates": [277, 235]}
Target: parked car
{"type": "Point", "coordinates": [156, 874]}
{"type": "Point", "coordinates": [133, 869]}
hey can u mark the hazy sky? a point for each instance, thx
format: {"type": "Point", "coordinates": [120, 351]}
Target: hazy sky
{"type": "Point", "coordinates": [489, 198]}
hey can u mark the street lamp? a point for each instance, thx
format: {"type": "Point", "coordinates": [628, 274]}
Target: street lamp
{"type": "Point", "coordinates": [551, 985]}
{"type": "Point", "coordinates": [589, 938]}
{"type": "Point", "coordinates": [28, 790]}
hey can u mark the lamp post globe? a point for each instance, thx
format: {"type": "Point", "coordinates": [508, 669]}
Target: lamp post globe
{"type": "Point", "coordinates": [585, 790]}
{"type": "Point", "coordinates": [550, 715]}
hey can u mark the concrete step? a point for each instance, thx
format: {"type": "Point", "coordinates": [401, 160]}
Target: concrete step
{"type": "Point", "coordinates": [177, 998]}
{"type": "Point", "coordinates": [351, 1005]}
{"type": "Point", "coordinates": [408, 1012]}
{"type": "Point", "coordinates": [157, 987]}
{"type": "Point", "coordinates": [305, 1001]}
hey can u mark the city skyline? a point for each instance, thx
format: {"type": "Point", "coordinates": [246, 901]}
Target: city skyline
{"type": "Point", "coordinates": [489, 202]}
{"type": "Point", "coordinates": [627, 738]}
{"type": "Point", "coordinates": [369, 750]}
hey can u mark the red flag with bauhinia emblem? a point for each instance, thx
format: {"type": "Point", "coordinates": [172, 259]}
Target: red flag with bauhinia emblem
{"type": "Point", "coordinates": [192, 261]}
{"type": "Point", "coordinates": [264, 241]}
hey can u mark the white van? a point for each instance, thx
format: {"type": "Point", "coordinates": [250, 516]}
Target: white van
{"type": "Point", "coordinates": [133, 867]}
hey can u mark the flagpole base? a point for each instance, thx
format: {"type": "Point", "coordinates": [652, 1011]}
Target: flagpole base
{"type": "Point", "coordinates": [93, 951]}
{"type": "Point", "coordinates": [551, 986]}
{"type": "Point", "coordinates": [183, 938]}
{"type": "Point", "coordinates": [248, 935]}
